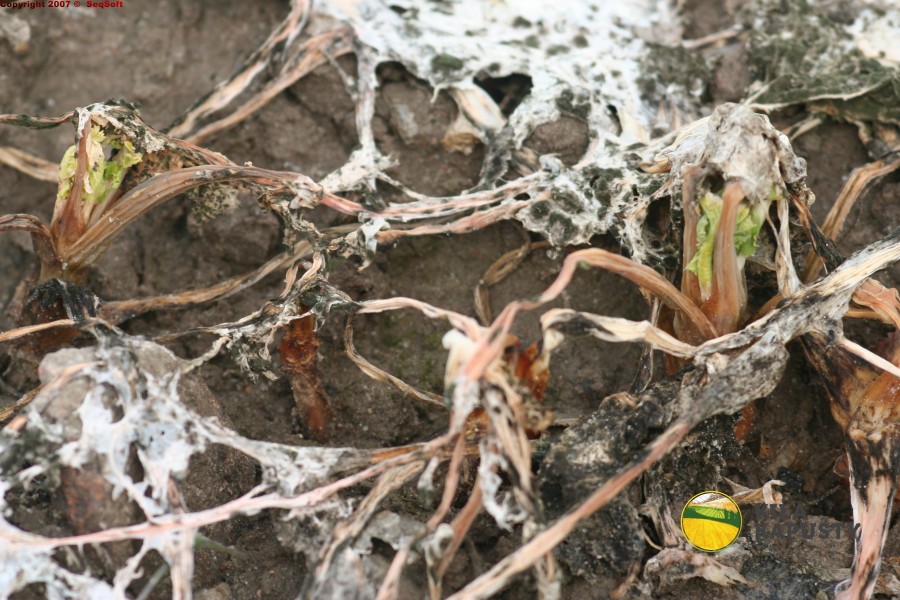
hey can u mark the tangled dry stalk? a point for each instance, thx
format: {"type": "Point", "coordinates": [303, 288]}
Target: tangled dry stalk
{"type": "Point", "coordinates": [731, 173]}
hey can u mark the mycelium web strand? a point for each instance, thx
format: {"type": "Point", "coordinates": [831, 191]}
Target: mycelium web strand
{"type": "Point", "coordinates": [337, 549]}
{"type": "Point", "coordinates": [391, 581]}
{"type": "Point", "coordinates": [460, 525]}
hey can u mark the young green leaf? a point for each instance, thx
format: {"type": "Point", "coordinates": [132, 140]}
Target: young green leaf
{"type": "Point", "coordinates": [102, 177]}
{"type": "Point", "coordinates": [746, 231]}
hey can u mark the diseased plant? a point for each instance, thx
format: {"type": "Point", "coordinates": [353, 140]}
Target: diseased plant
{"type": "Point", "coordinates": [733, 190]}
{"type": "Point", "coordinates": [720, 232]}
{"type": "Point", "coordinates": [864, 400]}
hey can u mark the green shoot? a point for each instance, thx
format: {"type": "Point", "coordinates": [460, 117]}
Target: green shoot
{"type": "Point", "coordinates": [746, 231]}
{"type": "Point", "coordinates": [103, 176]}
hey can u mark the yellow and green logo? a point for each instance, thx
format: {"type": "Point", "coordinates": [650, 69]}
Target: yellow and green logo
{"type": "Point", "coordinates": [711, 521]}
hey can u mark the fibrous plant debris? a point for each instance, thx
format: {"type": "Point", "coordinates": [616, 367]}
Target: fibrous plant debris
{"type": "Point", "coordinates": [706, 205]}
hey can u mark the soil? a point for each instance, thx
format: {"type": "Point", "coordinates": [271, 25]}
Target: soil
{"type": "Point", "coordinates": [166, 54]}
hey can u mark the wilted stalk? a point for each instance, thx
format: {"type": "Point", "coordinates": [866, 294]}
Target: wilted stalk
{"type": "Point", "coordinates": [864, 402]}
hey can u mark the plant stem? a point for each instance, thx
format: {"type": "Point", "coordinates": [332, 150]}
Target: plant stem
{"type": "Point", "coordinates": [873, 477]}
{"type": "Point", "coordinates": [299, 361]}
